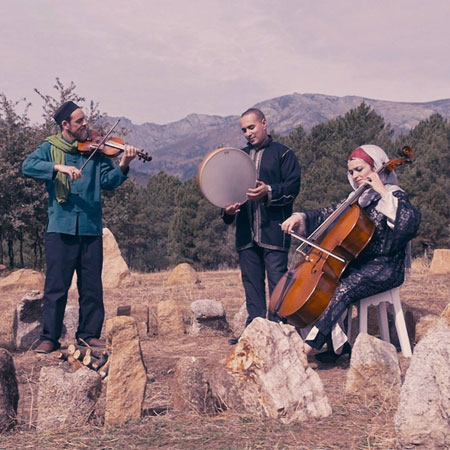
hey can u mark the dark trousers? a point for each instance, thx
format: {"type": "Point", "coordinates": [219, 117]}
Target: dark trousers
{"type": "Point", "coordinates": [65, 254]}
{"type": "Point", "coordinates": [254, 263]}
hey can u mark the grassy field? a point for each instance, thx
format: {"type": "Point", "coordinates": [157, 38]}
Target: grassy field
{"type": "Point", "coordinates": [356, 422]}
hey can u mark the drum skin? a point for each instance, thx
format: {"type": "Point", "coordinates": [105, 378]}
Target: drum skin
{"type": "Point", "coordinates": [225, 175]}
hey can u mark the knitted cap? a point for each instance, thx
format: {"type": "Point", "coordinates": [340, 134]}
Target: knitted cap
{"type": "Point", "coordinates": [64, 111]}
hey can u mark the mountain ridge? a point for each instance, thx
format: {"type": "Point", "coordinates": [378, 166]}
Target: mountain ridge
{"type": "Point", "coordinates": [179, 147]}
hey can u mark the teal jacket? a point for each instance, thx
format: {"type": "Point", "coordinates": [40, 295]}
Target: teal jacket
{"type": "Point", "coordinates": [82, 212]}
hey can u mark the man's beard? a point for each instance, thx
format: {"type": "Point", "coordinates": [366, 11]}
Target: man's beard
{"type": "Point", "coordinates": [81, 135]}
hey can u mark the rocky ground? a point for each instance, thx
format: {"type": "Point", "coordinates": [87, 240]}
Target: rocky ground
{"type": "Point", "coordinates": [362, 422]}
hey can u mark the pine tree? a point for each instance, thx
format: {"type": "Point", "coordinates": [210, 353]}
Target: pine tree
{"type": "Point", "coordinates": [324, 151]}
{"type": "Point", "coordinates": [21, 213]}
{"type": "Point", "coordinates": [158, 209]}
{"type": "Point", "coordinates": [427, 180]}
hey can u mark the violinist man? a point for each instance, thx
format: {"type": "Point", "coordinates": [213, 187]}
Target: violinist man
{"type": "Point", "coordinates": [261, 244]}
{"type": "Point", "coordinates": [73, 238]}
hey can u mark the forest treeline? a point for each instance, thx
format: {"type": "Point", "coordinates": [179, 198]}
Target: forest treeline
{"type": "Point", "coordinates": [167, 221]}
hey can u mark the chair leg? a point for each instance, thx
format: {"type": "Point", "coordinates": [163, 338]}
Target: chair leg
{"type": "Point", "coordinates": [383, 322]}
{"type": "Point", "coordinates": [349, 322]}
{"type": "Point", "coordinates": [400, 325]}
{"type": "Point", "coordinates": [362, 313]}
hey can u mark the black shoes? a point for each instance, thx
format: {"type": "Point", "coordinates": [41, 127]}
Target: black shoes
{"type": "Point", "coordinates": [92, 342]}
{"type": "Point", "coordinates": [233, 341]}
{"type": "Point", "coordinates": [330, 357]}
{"type": "Point", "coordinates": [46, 347]}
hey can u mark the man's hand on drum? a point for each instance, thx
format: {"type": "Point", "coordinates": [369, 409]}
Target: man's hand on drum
{"type": "Point", "coordinates": [232, 210]}
{"type": "Point", "coordinates": [258, 192]}
{"type": "Point", "coordinates": [296, 223]}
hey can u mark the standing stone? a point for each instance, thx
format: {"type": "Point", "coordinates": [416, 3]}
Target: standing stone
{"type": "Point", "coordinates": [9, 391]}
{"type": "Point", "coordinates": [440, 264]}
{"type": "Point", "coordinates": [423, 415]}
{"type": "Point", "coordinates": [169, 318]}
{"type": "Point", "coordinates": [373, 367]}
{"type": "Point", "coordinates": [70, 325]}
{"type": "Point", "coordinates": [267, 375]}
{"type": "Point", "coordinates": [27, 325]}
{"type": "Point", "coordinates": [208, 318]}
{"type": "Point", "coordinates": [127, 377]}
{"type": "Point", "coordinates": [239, 320]}
{"type": "Point", "coordinates": [183, 274]}
{"type": "Point", "coordinates": [66, 398]}
{"type": "Point", "coordinates": [152, 320]}
{"type": "Point", "coordinates": [190, 388]}
{"type": "Point", "coordinates": [140, 314]}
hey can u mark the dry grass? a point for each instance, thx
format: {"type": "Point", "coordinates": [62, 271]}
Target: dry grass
{"type": "Point", "coordinates": [363, 422]}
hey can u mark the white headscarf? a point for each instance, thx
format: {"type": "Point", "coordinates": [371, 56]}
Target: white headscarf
{"type": "Point", "coordinates": [389, 179]}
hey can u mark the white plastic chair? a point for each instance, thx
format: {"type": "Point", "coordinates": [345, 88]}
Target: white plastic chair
{"type": "Point", "coordinates": [381, 300]}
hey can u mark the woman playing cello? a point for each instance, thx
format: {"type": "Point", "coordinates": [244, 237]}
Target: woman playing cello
{"type": "Point", "coordinates": [381, 265]}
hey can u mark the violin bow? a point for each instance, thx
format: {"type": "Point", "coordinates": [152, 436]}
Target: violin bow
{"type": "Point", "coordinates": [101, 143]}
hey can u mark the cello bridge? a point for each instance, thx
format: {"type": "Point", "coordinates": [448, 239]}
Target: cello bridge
{"type": "Point", "coordinates": [304, 256]}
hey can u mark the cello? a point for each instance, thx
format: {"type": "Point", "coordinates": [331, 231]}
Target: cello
{"type": "Point", "coordinates": [305, 290]}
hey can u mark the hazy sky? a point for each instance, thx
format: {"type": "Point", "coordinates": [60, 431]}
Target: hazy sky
{"type": "Point", "coordinates": [160, 60]}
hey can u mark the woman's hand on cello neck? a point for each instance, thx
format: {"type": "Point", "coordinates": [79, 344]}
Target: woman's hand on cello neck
{"type": "Point", "coordinates": [363, 173]}
{"type": "Point", "coordinates": [296, 223]}
{"type": "Point", "coordinates": [374, 181]}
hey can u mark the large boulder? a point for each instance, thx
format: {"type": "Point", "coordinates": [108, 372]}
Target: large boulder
{"type": "Point", "coordinates": [423, 415]}
{"type": "Point", "coordinates": [183, 274]}
{"type": "Point", "coordinates": [23, 280]}
{"type": "Point", "coordinates": [9, 391]}
{"type": "Point", "coordinates": [66, 398]}
{"type": "Point", "coordinates": [267, 375]}
{"type": "Point", "coordinates": [115, 271]}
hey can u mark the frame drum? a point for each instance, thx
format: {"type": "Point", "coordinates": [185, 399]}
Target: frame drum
{"type": "Point", "coordinates": [225, 175]}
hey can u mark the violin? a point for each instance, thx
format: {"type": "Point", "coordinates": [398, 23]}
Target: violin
{"type": "Point", "coordinates": [112, 147]}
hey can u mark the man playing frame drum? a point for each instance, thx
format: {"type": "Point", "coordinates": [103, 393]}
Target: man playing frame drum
{"type": "Point", "coordinates": [261, 244]}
